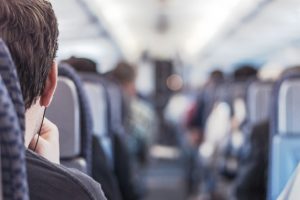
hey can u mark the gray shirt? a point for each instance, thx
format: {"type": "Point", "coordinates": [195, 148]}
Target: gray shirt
{"type": "Point", "coordinates": [48, 181]}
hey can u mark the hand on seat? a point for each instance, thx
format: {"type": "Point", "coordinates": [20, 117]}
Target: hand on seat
{"type": "Point", "coordinates": [48, 143]}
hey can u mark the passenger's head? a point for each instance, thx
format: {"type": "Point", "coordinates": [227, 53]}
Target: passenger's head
{"type": "Point", "coordinates": [217, 75]}
{"type": "Point", "coordinates": [244, 72]}
{"type": "Point", "coordinates": [125, 74]}
{"type": "Point", "coordinates": [290, 71]}
{"type": "Point", "coordinates": [82, 64]}
{"type": "Point", "coordinates": [29, 29]}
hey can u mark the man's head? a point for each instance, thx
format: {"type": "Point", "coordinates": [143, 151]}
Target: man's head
{"type": "Point", "coordinates": [245, 72]}
{"type": "Point", "coordinates": [29, 29]}
{"type": "Point", "coordinates": [125, 74]}
{"type": "Point", "coordinates": [217, 75]}
{"type": "Point", "coordinates": [82, 64]}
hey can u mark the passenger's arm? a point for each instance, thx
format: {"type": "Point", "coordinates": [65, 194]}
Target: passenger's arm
{"type": "Point", "coordinates": [48, 142]}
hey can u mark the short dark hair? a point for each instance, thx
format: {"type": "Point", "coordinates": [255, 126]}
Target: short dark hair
{"type": "Point", "coordinates": [245, 72]}
{"type": "Point", "coordinates": [217, 75]}
{"type": "Point", "coordinates": [29, 29]}
{"type": "Point", "coordinates": [82, 64]}
{"type": "Point", "coordinates": [290, 71]}
{"type": "Point", "coordinates": [124, 72]}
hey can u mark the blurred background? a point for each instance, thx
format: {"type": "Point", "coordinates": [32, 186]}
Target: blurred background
{"type": "Point", "coordinates": [191, 65]}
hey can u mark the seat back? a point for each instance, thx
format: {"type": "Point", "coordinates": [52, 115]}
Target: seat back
{"type": "Point", "coordinates": [13, 169]}
{"type": "Point", "coordinates": [64, 112]}
{"type": "Point", "coordinates": [292, 188]}
{"type": "Point", "coordinates": [103, 166]}
{"type": "Point", "coordinates": [86, 123]}
{"type": "Point", "coordinates": [222, 94]}
{"type": "Point", "coordinates": [1, 192]}
{"type": "Point", "coordinates": [285, 137]}
{"type": "Point", "coordinates": [238, 89]}
{"type": "Point", "coordinates": [289, 108]}
{"type": "Point", "coordinates": [258, 101]}
{"type": "Point", "coordinates": [116, 109]}
{"type": "Point", "coordinates": [114, 102]}
{"type": "Point", "coordinates": [121, 162]}
{"type": "Point", "coordinates": [12, 128]}
{"type": "Point", "coordinates": [258, 104]}
{"type": "Point", "coordinates": [94, 83]}
{"type": "Point", "coordinates": [97, 98]}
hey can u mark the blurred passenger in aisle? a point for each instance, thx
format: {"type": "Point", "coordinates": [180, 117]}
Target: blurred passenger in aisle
{"type": "Point", "coordinates": [195, 126]}
{"type": "Point", "coordinates": [140, 120]}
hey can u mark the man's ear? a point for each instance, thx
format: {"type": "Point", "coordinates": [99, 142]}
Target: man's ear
{"type": "Point", "coordinates": [50, 86]}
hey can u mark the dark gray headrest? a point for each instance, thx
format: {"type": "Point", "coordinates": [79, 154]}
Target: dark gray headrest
{"type": "Point", "coordinates": [259, 101]}
{"type": "Point", "coordinates": [238, 90]}
{"type": "Point", "coordinates": [12, 123]}
{"type": "Point", "coordinates": [64, 112]}
{"type": "Point", "coordinates": [115, 98]}
{"type": "Point", "coordinates": [1, 192]}
{"type": "Point", "coordinates": [97, 100]}
{"type": "Point", "coordinates": [289, 107]}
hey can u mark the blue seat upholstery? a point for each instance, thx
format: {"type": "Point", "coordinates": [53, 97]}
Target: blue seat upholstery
{"type": "Point", "coordinates": [258, 104]}
{"type": "Point", "coordinates": [116, 109]}
{"type": "Point", "coordinates": [238, 89]}
{"type": "Point", "coordinates": [68, 121]}
{"type": "Point", "coordinates": [117, 133]}
{"type": "Point", "coordinates": [292, 189]}
{"type": "Point", "coordinates": [285, 134]}
{"type": "Point", "coordinates": [258, 101]}
{"type": "Point", "coordinates": [113, 106]}
{"type": "Point", "coordinates": [12, 110]}
{"type": "Point", "coordinates": [104, 170]}
{"type": "Point", "coordinates": [98, 99]}
{"type": "Point", "coordinates": [85, 118]}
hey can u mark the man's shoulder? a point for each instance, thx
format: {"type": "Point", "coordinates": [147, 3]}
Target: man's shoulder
{"type": "Point", "coordinates": [50, 181]}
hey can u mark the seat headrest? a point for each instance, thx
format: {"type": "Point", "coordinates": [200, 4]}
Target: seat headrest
{"type": "Point", "coordinates": [222, 92]}
{"type": "Point", "coordinates": [12, 123]}
{"type": "Point", "coordinates": [259, 101]}
{"type": "Point", "coordinates": [238, 89]}
{"type": "Point", "coordinates": [13, 170]}
{"type": "Point", "coordinates": [64, 112]}
{"type": "Point", "coordinates": [115, 98]}
{"type": "Point", "coordinates": [1, 191]}
{"type": "Point", "coordinates": [86, 123]}
{"type": "Point", "coordinates": [10, 78]}
{"type": "Point", "coordinates": [289, 107]}
{"type": "Point", "coordinates": [97, 100]}
{"type": "Point", "coordinates": [291, 190]}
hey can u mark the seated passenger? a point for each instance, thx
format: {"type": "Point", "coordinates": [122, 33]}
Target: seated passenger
{"type": "Point", "coordinates": [251, 182]}
{"type": "Point", "coordinates": [29, 28]}
{"type": "Point", "coordinates": [139, 121]}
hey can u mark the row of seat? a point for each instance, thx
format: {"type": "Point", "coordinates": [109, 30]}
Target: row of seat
{"type": "Point", "coordinates": [87, 108]}
{"type": "Point", "coordinates": [285, 129]}
{"type": "Point", "coordinates": [248, 103]}
{"type": "Point", "coordinates": [13, 184]}
{"type": "Point", "coordinates": [258, 104]}
{"type": "Point", "coordinates": [91, 140]}
{"type": "Point", "coordinates": [279, 104]}
{"type": "Point", "coordinates": [258, 101]}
